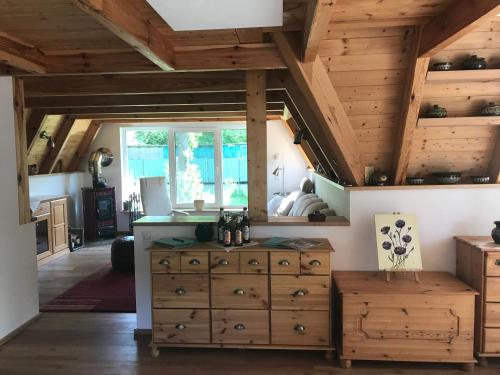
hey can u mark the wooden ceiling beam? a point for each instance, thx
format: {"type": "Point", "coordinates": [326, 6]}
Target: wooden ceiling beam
{"type": "Point", "coordinates": [87, 139]}
{"type": "Point", "coordinates": [304, 147]}
{"type": "Point", "coordinates": [460, 18]}
{"type": "Point", "coordinates": [60, 139]}
{"type": "Point", "coordinates": [162, 120]}
{"type": "Point", "coordinates": [130, 25]}
{"type": "Point", "coordinates": [316, 21]}
{"type": "Point", "coordinates": [34, 125]}
{"type": "Point", "coordinates": [20, 56]}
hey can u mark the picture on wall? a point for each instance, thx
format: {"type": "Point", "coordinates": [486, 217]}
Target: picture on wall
{"type": "Point", "coordinates": [398, 244]}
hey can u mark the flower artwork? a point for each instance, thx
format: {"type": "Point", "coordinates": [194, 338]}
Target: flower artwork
{"type": "Point", "coordinates": [398, 244]}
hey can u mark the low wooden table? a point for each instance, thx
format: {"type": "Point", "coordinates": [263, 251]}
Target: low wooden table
{"type": "Point", "coordinates": [404, 320]}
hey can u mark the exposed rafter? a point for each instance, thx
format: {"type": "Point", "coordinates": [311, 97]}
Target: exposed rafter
{"type": "Point", "coordinates": [84, 145]}
{"type": "Point", "coordinates": [164, 116]}
{"type": "Point", "coordinates": [34, 125]}
{"type": "Point", "coordinates": [21, 56]}
{"type": "Point", "coordinates": [130, 25]}
{"type": "Point", "coordinates": [461, 17]}
{"type": "Point", "coordinates": [317, 18]}
{"type": "Point", "coordinates": [304, 147]}
{"type": "Point", "coordinates": [50, 161]}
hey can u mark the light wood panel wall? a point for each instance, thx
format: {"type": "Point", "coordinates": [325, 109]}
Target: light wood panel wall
{"type": "Point", "coordinates": [39, 150]}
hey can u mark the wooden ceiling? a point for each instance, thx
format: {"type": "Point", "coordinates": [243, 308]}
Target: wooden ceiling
{"type": "Point", "coordinates": [357, 77]}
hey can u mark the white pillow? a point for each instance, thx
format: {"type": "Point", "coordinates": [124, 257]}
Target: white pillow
{"type": "Point", "coordinates": [317, 206]}
{"type": "Point", "coordinates": [273, 204]}
{"type": "Point", "coordinates": [287, 203]}
{"type": "Point", "coordinates": [297, 204]}
{"type": "Point", "coordinates": [300, 204]}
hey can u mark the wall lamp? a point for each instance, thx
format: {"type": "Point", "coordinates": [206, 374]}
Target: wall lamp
{"type": "Point", "coordinates": [46, 136]}
{"type": "Point", "coordinates": [299, 137]}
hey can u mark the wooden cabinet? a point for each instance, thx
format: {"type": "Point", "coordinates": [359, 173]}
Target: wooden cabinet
{"type": "Point", "coordinates": [404, 320]}
{"type": "Point", "coordinates": [59, 218]}
{"type": "Point", "coordinates": [478, 264]}
{"type": "Point", "coordinates": [251, 297]}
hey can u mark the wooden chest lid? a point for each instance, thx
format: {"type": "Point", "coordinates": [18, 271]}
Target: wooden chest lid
{"type": "Point", "coordinates": [363, 282]}
{"type": "Point", "coordinates": [483, 243]}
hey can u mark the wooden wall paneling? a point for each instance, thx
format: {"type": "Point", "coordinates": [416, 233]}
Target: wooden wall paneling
{"type": "Point", "coordinates": [459, 18]}
{"type": "Point", "coordinates": [85, 142]}
{"type": "Point", "coordinates": [75, 137]}
{"type": "Point", "coordinates": [323, 98]}
{"type": "Point", "coordinates": [494, 165]}
{"type": "Point", "coordinates": [257, 144]}
{"type": "Point", "coordinates": [128, 24]}
{"type": "Point", "coordinates": [34, 123]}
{"type": "Point", "coordinates": [23, 194]}
{"type": "Point", "coordinates": [21, 56]}
{"type": "Point", "coordinates": [60, 140]}
{"type": "Point", "coordinates": [412, 98]}
{"type": "Point", "coordinates": [316, 21]}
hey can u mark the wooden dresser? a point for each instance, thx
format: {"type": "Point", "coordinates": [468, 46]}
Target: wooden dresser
{"type": "Point", "coordinates": [404, 320]}
{"type": "Point", "coordinates": [478, 264]}
{"type": "Point", "coordinates": [252, 297]}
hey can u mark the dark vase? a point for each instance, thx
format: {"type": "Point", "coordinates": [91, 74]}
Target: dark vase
{"type": "Point", "coordinates": [474, 63]}
{"type": "Point", "coordinates": [204, 232]}
{"type": "Point", "coordinates": [495, 233]}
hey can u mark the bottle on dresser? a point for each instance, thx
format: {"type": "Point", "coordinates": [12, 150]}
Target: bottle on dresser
{"type": "Point", "coordinates": [245, 226]}
{"type": "Point", "coordinates": [228, 235]}
{"type": "Point", "coordinates": [220, 226]}
{"type": "Point", "coordinates": [238, 233]}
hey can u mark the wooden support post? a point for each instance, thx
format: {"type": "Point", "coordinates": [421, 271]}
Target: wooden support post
{"type": "Point", "coordinates": [21, 153]}
{"type": "Point", "coordinates": [60, 140]}
{"type": "Point", "coordinates": [494, 167]}
{"type": "Point", "coordinates": [316, 22]}
{"type": "Point", "coordinates": [257, 144]}
{"type": "Point", "coordinates": [84, 145]}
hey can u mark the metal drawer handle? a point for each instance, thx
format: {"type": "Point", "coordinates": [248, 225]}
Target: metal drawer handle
{"type": "Point", "coordinates": [300, 293]}
{"type": "Point", "coordinates": [180, 327]}
{"type": "Point", "coordinates": [300, 328]}
{"type": "Point", "coordinates": [315, 263]}
{"type": "Point", "coordinates": [253, 262]}
{"type": "Point", "coordinates": [180, 291]}
{"type": "Point", "coordinates": [284, 262]}
{"type": "Point", "coordinates": [497, 262]}
{"type": "Point", "coordinates": [165, 262]}
{"type": "Point", "coordinates": [240, 327]}
{"type": "Point", "coordinates": [239, 292]}
{"type": "Point", "coordinates": [194, 262]}
{"type": "Point", "coordinates": [223, 262]}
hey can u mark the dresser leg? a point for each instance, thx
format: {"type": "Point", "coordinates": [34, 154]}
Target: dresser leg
{"type": "Point", "coordinates": [329, 355]}
{"type": "Point", "coordinates": [155, 352]}
{"type": "Point", "coordinates": [482, 361]}
{"type": "Point", "coordinates": [345, 363]}
{"type": "Point", "coordinates": [468, 367]}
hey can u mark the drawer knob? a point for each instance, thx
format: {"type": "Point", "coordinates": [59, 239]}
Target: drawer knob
{"type": "Point", "coordinates": [239, 292]}
{"type": "Point", "coordinates": [300, 328]}
{"type": "Point", "coordinates": [253, 262]}
{"type": "Point", "coordinates": [223, 262]}
{"type": "Point", "coordinates": [194, 262]}
{"type": "Point", "coordinates": [284, 262]}
{"type": "Point", "coordinates": [315, 263]}
{"type": "Point", "coordinates": [180, 327]}
{"type": "Point", "coordinates": [165, 262]}
{"type": "Point", "coordinates": [300, 293]}
{"type": "Point", "coordinates": [239, 327]}
{"type": "Point", "coordinates": [180, 291]}
{"type": "Point", "coordinates": [497, 262]}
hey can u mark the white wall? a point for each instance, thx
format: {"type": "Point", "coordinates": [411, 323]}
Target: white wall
{"type": "Point", "coordinates": [18, 272]}
{"type": "Point", "coordinates": [279, 142]}
{"type": "Point", "coordinates": [442, 214]}
{"type": "Point", "coordinates": [62, 184]}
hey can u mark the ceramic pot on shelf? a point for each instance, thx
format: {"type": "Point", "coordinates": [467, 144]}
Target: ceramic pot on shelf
{"type": "Point", "coordinates": [436, 112]}
{"type": "Point", "coordinates": [491, 109]}
{"type": "Point", "coordinates": [495, 233]}
{"type": "Point", "coordinates": [474, 63]}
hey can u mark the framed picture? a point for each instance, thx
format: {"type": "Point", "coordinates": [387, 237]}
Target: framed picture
{"type": "Point", "coordinates": [398, 243]}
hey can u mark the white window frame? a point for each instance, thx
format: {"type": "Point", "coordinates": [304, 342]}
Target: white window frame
{"type": "Point", "coordinates": [172, 129]}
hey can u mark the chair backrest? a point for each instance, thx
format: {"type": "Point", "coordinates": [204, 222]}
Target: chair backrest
{"type": "Point", "coordinates": [155, 197]}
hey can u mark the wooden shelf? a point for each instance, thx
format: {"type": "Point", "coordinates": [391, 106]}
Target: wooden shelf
{"type": "Point", "coordinates": [486, 75]}
{"type": "Point", "coordinates": [458, 121]}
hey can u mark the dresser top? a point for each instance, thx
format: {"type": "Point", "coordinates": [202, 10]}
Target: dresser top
{"type": "Point", "coordinates": [369, 282]}
{"type": "Point", "coordinates": [484, 243]}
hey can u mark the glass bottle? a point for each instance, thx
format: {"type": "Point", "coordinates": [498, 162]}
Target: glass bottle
{"type": "Point", "coordinates": [245, 225]}
{"type": "Point", "coordinates": [220, 226]}
{"type": "Point", "coordinates": [238, 233]}
{"type": "Point", "coordinates": [227, 233]}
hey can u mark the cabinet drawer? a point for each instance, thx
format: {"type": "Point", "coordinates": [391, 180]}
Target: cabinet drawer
{"type": "Point", "coordinates": [492, 315]}
{"type": "Point", "coordinates": [285, 262]}
{"type": "Point", "coordinates": [224, 262]}
{"type": "Point", "coordinates": [180, 291]}
{"type": "Point", "coordinates": [240, 326]}
{"type": "Point", "coordinates": [194, 262]}
{"type": "Point", "coordinates": [300, 328]}
{"type": "Point", "coordinates": [184, 326]}
{"type": "Point", "coordinates": [492, 289]}
{"type": "Point", "coordinates": [314, 263]}
{"type": "Point", "coordinates": [300, 292]}
{"type": "Point", "coordinates": [493, 264]}
{"type": "Point", "coordinates": [240, 291]}
{"type": "Point", "coordinates": [165, 262]}
{"type": "Point", "coordinates": [492, 340]}
{"type": "Point", "coordinates": [254, 262]}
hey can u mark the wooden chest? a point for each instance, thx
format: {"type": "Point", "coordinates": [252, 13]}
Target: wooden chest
{"type": "Point", "coordinates": [404, 320]}
{"type": "Point", "coordinates": [252, 297]}
{"type": "Point", "coordinates": [478, 264]}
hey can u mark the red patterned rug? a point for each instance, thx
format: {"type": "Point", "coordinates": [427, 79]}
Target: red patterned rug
{"type": "Point", "coordinates": [103, 291]}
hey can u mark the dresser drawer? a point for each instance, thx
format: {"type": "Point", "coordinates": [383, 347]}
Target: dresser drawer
{"type": "Point", "coordinates": [180, 291]}
{"type": "Point", "coordinates": [300, 328]}
{"type": "Point", "coordinates": [185, 326]}
{"type": "Point", "coordinates": [194, 262]}
{"type": "Point", "coordinates": [240, 291]}
{"type": "Point", "coordinates": [165, 262]}
{"type": "Point", "coordinates": [493, 264]}
{"type": "Point", "coordinates": [314, 263]}
{"type": "Point", "coordinates": [224, 262]}
{"type": "Point", "coordinates": [254, 262]}
{"type": "Point", "coordinates": [492, 289]}
{"type": "Point", "coordinates": [240, 326]}
{"type": "Point", "coordinates": [492, 315]}
{"type": "Point", "coordinates": [492, 340]}
{"type": "Point", "coordinates": [285, 262]}
{"type": "Point", "coordinates": [300, 292]}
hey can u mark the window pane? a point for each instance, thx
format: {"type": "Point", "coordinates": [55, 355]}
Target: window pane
{"type": "Point", "coordinates": [147, 156]}
{"type": "Point", "coordinates": [234, 167]}
{"type": "Point", "coordinates": [195, 167]}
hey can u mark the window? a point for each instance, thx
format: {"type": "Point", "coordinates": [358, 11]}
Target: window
{"type": "Point", "coordinates": [208, 162]}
